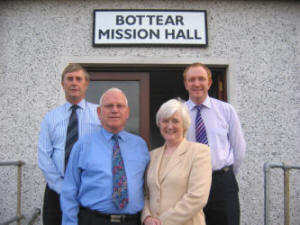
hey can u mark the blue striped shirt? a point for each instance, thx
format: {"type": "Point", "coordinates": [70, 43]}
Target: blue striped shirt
{"type": "Point", "coordinates": [88, 179]}
{"type": "Point", "coordinates": [224, 132]}
{"type": "Point", "coordinates": [52, 139]}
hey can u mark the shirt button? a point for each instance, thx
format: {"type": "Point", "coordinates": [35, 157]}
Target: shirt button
{"type": "Point", "coordinates": [157, 214]}
{"type": "Point", "coordinates": [157, 200]}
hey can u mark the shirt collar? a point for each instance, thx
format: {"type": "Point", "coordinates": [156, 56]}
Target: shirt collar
{"type": "Point", "coordinates": [81, 104]}
{"type": "Point", "coordinates": [206, 103]}
{"type": "Point", "coordinates": [108, 135]}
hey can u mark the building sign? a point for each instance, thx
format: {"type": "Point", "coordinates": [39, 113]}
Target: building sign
{"type": "Point", "coordinates": [150, 27]}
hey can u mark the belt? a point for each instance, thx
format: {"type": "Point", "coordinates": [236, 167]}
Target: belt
{"type": "Point", "coordinates": [113, 218]}
{"type": "Point", "coordinates": [223, 170]}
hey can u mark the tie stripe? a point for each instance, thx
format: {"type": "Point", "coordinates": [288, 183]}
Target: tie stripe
{"type": "Point", "coordinates": [200, 130]}
{"type": "Point", "coordinates": [72, 133]}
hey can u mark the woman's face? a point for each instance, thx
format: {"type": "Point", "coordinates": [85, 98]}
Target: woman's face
{"type": "Point", "coordinates": [172, 128]}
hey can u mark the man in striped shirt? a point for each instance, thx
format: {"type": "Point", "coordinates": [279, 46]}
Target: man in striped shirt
{"type": "Point", "coordinates": [224, 135]}
{"type": "Point", "coordinates": [53, 136]}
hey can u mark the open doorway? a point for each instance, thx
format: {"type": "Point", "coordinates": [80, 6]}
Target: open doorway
{"type": "Point", "coordinates": [168, 84]}
{"type": "Point", "coordinates": [159, 85]}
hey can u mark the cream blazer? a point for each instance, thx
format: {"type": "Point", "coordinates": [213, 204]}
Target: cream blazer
{"type": "Point", "coordinates": [184, 188]}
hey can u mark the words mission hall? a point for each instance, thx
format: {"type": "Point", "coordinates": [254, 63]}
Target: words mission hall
{"type": "Point", "coordinates": [148, 33]}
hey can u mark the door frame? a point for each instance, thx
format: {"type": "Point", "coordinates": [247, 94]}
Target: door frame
{"type": "Point", "coordinates": [144, 98]}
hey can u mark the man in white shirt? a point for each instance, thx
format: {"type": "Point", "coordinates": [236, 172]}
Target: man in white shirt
{"type": "Point", "coordinates": [225, 138]}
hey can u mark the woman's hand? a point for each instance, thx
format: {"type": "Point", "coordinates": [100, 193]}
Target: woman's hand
{"type": "Point", "coordinates": [151, 221]}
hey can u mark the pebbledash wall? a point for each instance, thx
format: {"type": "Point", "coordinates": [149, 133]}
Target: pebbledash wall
{"type": "Point", "coordinates": [257, 40]}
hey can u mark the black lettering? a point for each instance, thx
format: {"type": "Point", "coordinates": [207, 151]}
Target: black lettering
{"type": "Point", "coordinates": [180, 34]}
{"type": "Point", "coordinates": [119, 20]}
{"type": "Point", "coordinates": [130, 20]}
{"type": "Point", "coordinates": [170, 33]}
{"type": "Point", "coordinates": [142, 34]}
{"type": "Point", "coordinates": [169, 20]}
{"type": "Point", "coordinates": [140, 19]}
{"type": "Point", "coordinates": [150, 19]}
{"type": "Point", "coordinates": [102, 33]}
{"type": "Point", "coordinates": [119, 34]}
{"type": "Point", "coordinates": [197, 35]}
{"type": "Point", "coordinates": [128, 34]}
{"type": "Point", "coordinates": [159, 20]}
{"type": "Point", "coordinates": [112, 32]}
{"type": "Point", "coordinates": [153, 33]}
{"type": "Point", "coordinates": [179, 19]}
{"type": "Point", "coordinates": [188, 35]}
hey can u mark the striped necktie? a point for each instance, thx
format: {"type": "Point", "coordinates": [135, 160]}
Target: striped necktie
{"type": "Point", "coordinates": [120, 190]}
{"type": "Point", "coordinates": [72, 133]}
{"type": "Point", "coordinates": [200, 127]}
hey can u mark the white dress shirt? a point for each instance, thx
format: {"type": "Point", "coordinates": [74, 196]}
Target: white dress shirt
{"type": "Point", "coordinates": [224, 132]}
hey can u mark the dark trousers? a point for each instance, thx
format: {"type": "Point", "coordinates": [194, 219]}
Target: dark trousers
{"type": "Point", "coordinates": [51, 209]}
{"type": "Point", "coordinates": [223, 206]}
{"type": "Point", "coordinates": [89, 217]}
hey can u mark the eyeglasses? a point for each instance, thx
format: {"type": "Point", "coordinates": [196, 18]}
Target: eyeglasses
{"type": "Point", "coordinates": [111, 106]}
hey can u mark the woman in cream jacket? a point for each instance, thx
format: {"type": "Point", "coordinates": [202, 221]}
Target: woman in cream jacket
{"type": "Point", "coordinates": [179, 174]}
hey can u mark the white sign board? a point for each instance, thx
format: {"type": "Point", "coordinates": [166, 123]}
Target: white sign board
{"type": "Point", "coordinates": [150, 27]}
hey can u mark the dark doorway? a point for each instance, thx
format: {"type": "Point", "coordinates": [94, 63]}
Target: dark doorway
{"type": "Point", "coordinates": [168, 84]}
{"type": "Point", "coordinates": [165, 83]}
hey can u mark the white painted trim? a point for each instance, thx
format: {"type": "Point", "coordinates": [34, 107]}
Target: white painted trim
{"type": "Point", "coordinates": [136, 60]}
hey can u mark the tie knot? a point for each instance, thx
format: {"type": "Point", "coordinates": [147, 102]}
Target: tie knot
{"type": "Point", "coordinates": [74, 107]}
{"type": "Point", "coordinates": [115, 137]}
{"type": "Point", "coordinates": [198, 107]}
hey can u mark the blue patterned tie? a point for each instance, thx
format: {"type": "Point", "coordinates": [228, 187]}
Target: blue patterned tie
{"type": "Point", "coordinates": [72, 133]}
{"type": "Point", "coordinates": [120, 190]}
{"type": "Point", "coordinates": [200, 127]}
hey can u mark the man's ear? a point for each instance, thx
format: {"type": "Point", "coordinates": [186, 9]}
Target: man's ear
{"type": "Point", "coordinates": [210, 83]}
{"type": "Point", "coordinates": [99, 111]}
{"type": "Point", "coordinates": [128, 112]}
{"type": "Point", "coordinates": [184, 83]}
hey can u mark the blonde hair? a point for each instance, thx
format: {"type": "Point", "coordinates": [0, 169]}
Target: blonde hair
{"type": "Point", "coordinates": [197, 64]}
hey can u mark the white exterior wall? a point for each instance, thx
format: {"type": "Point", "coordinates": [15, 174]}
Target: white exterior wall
{"type": "Point", "coordinates": [258, 40]}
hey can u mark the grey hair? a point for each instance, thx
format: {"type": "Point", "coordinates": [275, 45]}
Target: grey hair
{"type": "Point", "coordinates": [172, 106]}
{"type": "Point", "coordinates": [113, 89]}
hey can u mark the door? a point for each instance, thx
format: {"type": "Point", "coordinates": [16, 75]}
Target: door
{"type": "Point", "coordinates": [146, 91]}
{"type": "Point", "coordinates": [135, 85]}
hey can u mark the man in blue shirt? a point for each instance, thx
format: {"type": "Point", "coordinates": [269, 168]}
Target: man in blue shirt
{"type": "Point", "coordinates": [226, 141]}
{"type": "Point", "coordinates": [53, 137]}
{"type": "Point", "coordinates": [88, 192]}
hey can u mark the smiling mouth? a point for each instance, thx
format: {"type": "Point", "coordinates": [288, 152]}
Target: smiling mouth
{"type": "Point", "coordinates": [170, 132]}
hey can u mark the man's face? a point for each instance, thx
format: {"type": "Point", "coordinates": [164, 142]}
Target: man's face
{"type": "Point", "coordinates": [113, 112]}
{"type": "Point", "coordinates": [75, 86]}
{"type": "Point", "coordinates": [197, 84]}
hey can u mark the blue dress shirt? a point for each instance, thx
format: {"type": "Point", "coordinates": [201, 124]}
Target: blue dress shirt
{"type": "Point", "coordinates": [88, 179]}
{"type": "Point", "coordinates": [224, 132]}
{"type": "Point", "coordinates": [52, 139]}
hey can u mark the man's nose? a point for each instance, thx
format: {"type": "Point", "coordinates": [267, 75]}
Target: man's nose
{"type": "Point", "coordinates": [196, 82]}
{"type": "Point", "coordinates": [74, 82]}
{"type": "Point", "coordinates": [114, 108]}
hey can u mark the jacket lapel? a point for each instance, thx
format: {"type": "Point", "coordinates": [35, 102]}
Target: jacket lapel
{"type": "Point", "coordinates": [156, 159]}
{"type": "Point", "coordinates": [175, 158]}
